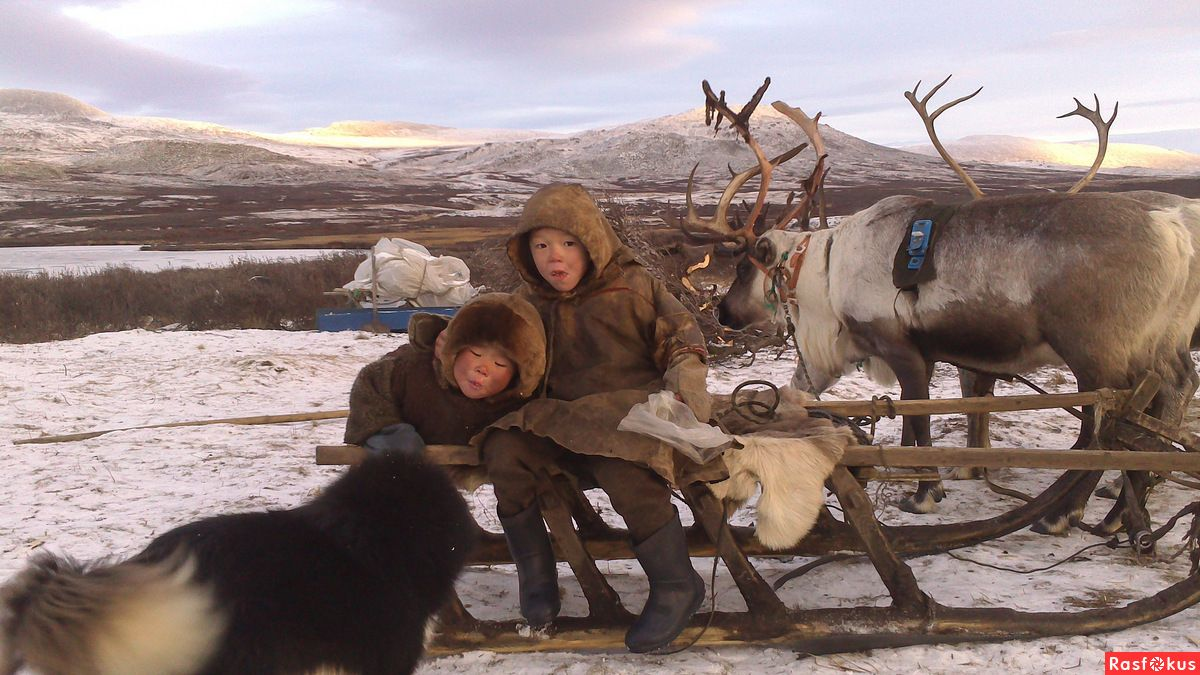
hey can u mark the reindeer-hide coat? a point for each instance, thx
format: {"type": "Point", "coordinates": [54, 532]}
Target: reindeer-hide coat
{"type": "Point", "coordinates": [613, 340]}
{"type": "Point", "coordinates": [411, 385]}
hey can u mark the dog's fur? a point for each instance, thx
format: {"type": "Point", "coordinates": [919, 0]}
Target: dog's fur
{"type": "Point", "coordinates": [345, 583]}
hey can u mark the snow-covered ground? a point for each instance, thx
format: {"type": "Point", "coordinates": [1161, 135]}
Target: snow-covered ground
{"type": "Point", "coordinates": [113, 493]}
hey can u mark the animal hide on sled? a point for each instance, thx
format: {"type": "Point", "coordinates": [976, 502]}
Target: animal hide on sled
{"type": "Point", "coordinates": [790, 456]}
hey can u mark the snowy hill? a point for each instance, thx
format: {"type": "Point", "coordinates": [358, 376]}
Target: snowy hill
{"type": "Point", "coordinates": [1028, 151]}
{"type": "Point", "coordinates": [667, 148]}
{"type": "Point", "coordinates": [45, 104]}
{"type": "Point", "coordinates": [370, 133]}
{"type": "Point", "coordinates": [45, 136]}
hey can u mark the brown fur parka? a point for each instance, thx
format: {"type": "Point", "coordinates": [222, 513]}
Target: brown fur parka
{"type": "Point", "coordinates": [411, 385]}
{"type": "Point", "coordinates": [611, 341]}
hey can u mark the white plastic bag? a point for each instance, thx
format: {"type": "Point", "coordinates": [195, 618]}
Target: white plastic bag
{"type": "Point", "coordinates": [669, 420]}
{"type": "Point", "coordinates": [407, 274]}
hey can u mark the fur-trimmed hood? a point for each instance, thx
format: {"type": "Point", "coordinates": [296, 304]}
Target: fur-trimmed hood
{"type": "Point", "coordinates": [502, 320]}
{"type": "Point", "coordinates": [567, 207]}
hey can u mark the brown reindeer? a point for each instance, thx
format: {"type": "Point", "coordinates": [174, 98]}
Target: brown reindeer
{"type": "Point", "coordinates": [1108, 284]}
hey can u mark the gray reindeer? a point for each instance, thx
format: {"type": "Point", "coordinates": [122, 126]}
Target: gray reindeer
{"type": "Point", "coordinates": [1107, 284]}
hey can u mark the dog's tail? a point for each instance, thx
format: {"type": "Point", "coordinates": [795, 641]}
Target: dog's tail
{"type": "Point", "coordinates": [58, 616]}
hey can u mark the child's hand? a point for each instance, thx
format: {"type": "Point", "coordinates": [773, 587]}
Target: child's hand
{"type": "Point", "coordinates": [688, 379]}
{"type": "Point", "coordinates": [401, 438]}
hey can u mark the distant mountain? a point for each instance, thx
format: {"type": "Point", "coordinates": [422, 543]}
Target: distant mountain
{"type": "Point", "coordinates": [47, 135]}
{"type": "Point", "coordinates": [1027, 151]}
{"type": "Point", "coordinates": [1187, 140]}
{"type": "Point", "coordinates": [45, 104]}
{"type": "Point", "coordinates": [404, 134]}
{"type": "Point", "coordinates": [667, 147]}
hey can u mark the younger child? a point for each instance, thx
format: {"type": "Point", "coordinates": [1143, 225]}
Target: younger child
{"type": "Point", "coordinates": [453, 378]}
{"type": "Point", "coordinates": [615, 335]}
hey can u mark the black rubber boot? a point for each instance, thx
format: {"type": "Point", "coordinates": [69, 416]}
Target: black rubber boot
{"type": "Point", "coordinates": [537, 573]}
{"type": "Point", "coordinates": [676, 591]}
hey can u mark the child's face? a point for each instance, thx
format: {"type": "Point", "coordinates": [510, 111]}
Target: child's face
{"type": "Point", "coordinates": [481, 372]}
{"type": "Point", "coordinates": [560, 258]}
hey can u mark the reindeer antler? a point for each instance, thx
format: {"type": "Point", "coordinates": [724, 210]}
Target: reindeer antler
{"type": "Point", "coordinates": [716, 110]}
{"type": "Point", "coordinates": [1102, 128]}
{"type": "Point", "coordinates": [816, 180]}
{"type": "Point", "coordinates": [694, 225]}
{"type": "Point", "coordinates": [923, 111]}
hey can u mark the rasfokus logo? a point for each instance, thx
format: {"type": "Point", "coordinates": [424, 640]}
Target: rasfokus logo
{"type": "Point", "coordinates": [1151, 662]}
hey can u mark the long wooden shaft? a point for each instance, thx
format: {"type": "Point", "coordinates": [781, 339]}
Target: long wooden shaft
{"type": "Point", "coordinates": [1124, 460]}
{"type": "Point", "coordinates": [975, 404]}
{"type": "Point", "coordinates": [256, 419]}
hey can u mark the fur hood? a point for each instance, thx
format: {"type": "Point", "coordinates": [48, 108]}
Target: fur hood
{"type": "Point", "coordinates": [502, 320]}
{"type": "Point", "coordinates": [567, 207]}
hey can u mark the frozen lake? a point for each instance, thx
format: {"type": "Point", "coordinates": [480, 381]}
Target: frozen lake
{"type": "Point", "coordinates": [88, 259]}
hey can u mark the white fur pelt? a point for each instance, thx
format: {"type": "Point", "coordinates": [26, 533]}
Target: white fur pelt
{"type": "Point", "coordinates": [792, 472]}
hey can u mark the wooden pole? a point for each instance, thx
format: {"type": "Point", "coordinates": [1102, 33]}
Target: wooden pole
{"type": "Point", "coordinates": [975, 404]}
{"type": "Point", "coordinates": [257, 419]}
{"type": "Point", "coordinates": [1124, 460]}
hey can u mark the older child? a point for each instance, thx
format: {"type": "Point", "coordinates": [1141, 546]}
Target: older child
{"type": "Point", "coordinates": [452, 379]}
{"type": "Point", "coordinates": [615, 335]}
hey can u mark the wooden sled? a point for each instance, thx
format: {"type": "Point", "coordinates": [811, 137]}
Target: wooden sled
{"type": "Point", "coordinates": [580, 537]}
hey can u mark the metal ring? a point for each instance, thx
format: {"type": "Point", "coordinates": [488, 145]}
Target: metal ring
{"type": "Point", "coordinates": [887, 400]}
{"type": "Point", "coordinates": [1142, 541]}
{"type": "Point", "coordinates": [751, 404]}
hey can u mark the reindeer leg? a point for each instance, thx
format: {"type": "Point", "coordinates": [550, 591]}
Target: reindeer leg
{"type": "Point", "coordinates": [978, 431]}
{"type": "Point", "coordinates": [914, 373]}
{"type": "Point", "coordinates": [1169, 405]}
{"type": "Point", "coordinates": [1071, 512]}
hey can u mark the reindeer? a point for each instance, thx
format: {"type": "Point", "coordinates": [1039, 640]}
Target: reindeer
{"type": "Point", "coordinates": [1107, 284]}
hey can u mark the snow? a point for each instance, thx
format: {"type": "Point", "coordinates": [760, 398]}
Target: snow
{"type": "Point", "coordinates": [112, 494]}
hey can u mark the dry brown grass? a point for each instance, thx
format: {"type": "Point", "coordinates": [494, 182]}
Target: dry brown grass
{"type": "Point", "coordinates": [246, 294]}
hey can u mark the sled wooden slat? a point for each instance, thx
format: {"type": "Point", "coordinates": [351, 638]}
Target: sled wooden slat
{"type": "Point", "coordinates": [1109, 398]}
{"type": "Point", "coordinates": [1124, 460]}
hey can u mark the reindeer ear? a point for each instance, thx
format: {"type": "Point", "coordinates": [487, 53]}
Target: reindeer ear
{"type": "Point", "coordinates": [764, 250]}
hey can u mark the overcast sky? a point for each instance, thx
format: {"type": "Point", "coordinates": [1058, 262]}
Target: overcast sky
{"type": "Point", "coordinates": [285, 65]}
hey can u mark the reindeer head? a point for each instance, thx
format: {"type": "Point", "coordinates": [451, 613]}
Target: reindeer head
{"type": "Point", "coordinates": [765, 281]}
{"type": "Point", "coordinates": [756, 265]}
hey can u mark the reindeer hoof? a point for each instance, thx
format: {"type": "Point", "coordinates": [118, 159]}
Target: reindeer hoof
{"type": "Point", "coordinates": [964, 473]}
{"type": "Point", "coordinates": [922, 504]}
{"type": "Point", "coordinates": [1054, 525]}
{"type": "Point", "coordinates": [1111, 490]}
{"type": "Point", "coordinates": [1111, 524]}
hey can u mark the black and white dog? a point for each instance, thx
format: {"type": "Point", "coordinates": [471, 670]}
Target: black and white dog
{"type": "Point", "coordinates": [345, 583]}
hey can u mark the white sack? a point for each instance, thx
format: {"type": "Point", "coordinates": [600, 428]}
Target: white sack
{"type": "Point", "coordinates": [407, 274]}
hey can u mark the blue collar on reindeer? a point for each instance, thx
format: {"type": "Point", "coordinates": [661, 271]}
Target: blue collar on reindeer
{"type": "Point", "coordinates": [913, 264]}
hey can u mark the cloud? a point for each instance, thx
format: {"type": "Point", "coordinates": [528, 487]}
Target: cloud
{"type": "Point", "coordinates": [593, 37]}
{"type": "Point", "coordinates": [42, 49]}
